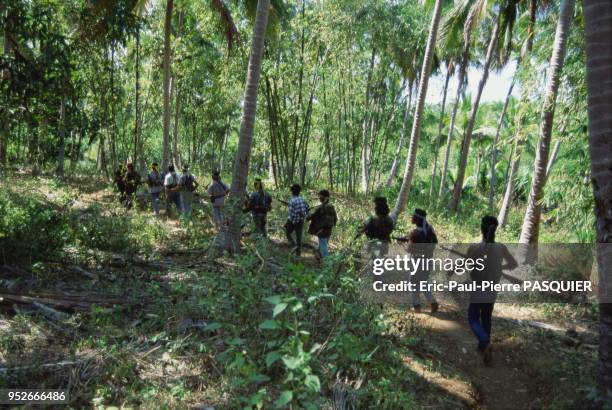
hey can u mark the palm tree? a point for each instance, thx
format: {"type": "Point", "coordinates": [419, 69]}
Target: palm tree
{"type": "Point", "coordinates": [531, 222]}
{"type": "Point", "coordinates": [400, 145]}
{"type": "Point", "coordinates": [418, 112]}
{"type": "Point", "coordinates": [459, 26]}
{"type": "Point", "coordinates": [449, 72]}
{"type": "Point", "coordinates": [166, 70]}
{"type": "Point", "coordinates": [467, 137]}
{"type": "Point", "coordinates": [598, 20]}
{"type": "Point", "coordinates": [245, 142]}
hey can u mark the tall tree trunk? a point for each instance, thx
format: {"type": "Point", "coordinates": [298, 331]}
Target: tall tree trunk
{"type": "Point", "coordinates": [439, 137]}
{"type": "Point", "coordinates": [398, 151]}
{"type": "Point", "coordinates": [230, 234]}
{"type": "Point", "coordinates": [496, 141]}
{"type": "Point", "coordinates": [137, 104]}
{"type": "Point", "coordinates": [505, 206]}
{"type": "Point", "coordinates": [418, 112]}
{"type": "Point", "coordinates": [4, 119]}
{"type": "Point", "coordinates": [531, 222]}
{"type": "Point", "coordinates": [553, 158]}
{"type": "Point", "coordinates": [62, 138]}
{"type": "Point", "coordinates": [467, 138]}
{"type": "Point", "coordinates": [451, 126]}
{"type": "Point", "coordinates": [367, 117]}
{"type": "Point", "coordinates": [598, 24]}
{"type": "Point", "coordinates": [176, 158]}
{"type": "Point", "coordinates": [166, 69]}
{"type": "Point", "coordinates": [113, 130]}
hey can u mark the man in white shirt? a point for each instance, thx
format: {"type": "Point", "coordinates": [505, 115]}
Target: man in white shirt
{"type": "Point", "coordinates": [217, 191]}
{"type": "Point", "coordinates": [171, 187]}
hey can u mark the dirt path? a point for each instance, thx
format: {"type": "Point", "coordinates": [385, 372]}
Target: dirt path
{"type": "Point", "coordinates": [502, 386]}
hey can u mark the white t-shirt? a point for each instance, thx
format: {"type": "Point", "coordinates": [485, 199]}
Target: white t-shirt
{"type": "Point", "coordinates": [171, 180]}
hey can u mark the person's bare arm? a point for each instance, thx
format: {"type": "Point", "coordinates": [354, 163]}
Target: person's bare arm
{"type": "Point", "coordinates": [511, 263]}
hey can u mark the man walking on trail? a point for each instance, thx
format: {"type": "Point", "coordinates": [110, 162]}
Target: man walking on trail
{"type": "Point", "coordinates": [217, 191]}
{"type": "Point", "coordinates": [131, 180]}
{"type": "Point", "coordinates": [259, 203]}
{"type": "Point", "coordinates": [119, 174]}
{"type": "Point", "coordinates": [322, 221]}
{"type": "Point", "coordinates": [187, 186]}
{"type": "Point", "coordinates": [155, 183]}
{"type": "Point", "coordinates": [480, 310]}
{"type": "Point", "coordinates": [422, 244]}
{"type": "Point", "coordinates": [297, 212]}
{"type": "Point", "coordinates": [171, 188]}
{"type": "Point", "coordinates": [378, 228]}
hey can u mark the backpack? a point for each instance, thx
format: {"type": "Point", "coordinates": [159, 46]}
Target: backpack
{"type": "Point", "coordinates": [173, 182]}
{"type": "Point", "coordinates": [188, 182]}
{"type": "Point", "coordinates": [379, 228]}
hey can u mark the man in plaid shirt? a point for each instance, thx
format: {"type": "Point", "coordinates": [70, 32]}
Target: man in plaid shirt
{"type": "Point", "coordinates": [298, 210]}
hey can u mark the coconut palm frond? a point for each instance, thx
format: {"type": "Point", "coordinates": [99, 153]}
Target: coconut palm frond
{"type": "Point", "coordinates": [226, 21]}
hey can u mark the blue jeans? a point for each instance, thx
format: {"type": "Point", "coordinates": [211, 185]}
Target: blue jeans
{"type": "Point", "coordinates": [324, 247]}
{"type": "Point", "coordinates": [173, 198]}
{"type": "Point", "coordinates": [155, 202]}
{"type": "Point", "coordinates": [479, 317]}
{"type": "Point", "coordinates": [186, 204]}
{"type": "Point", "coordinates": [297, 228]}
{"type": "Point", "coordinates": [260, 221]}
{"type": "Point", "coordinates": [421, 277]}
{"type": "Point", "coordinates": [218, 216]}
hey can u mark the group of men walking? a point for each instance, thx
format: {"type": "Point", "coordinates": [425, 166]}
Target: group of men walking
{"type": "Point", "coordinates": [179, 190]}
{"type": "Point", "coordinates": [422, 239]}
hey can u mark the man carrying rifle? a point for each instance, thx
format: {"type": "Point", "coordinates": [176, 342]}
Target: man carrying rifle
{"type": "Point", "coordinates": [259, 203]}
{"type": "Point", "coordinates": [217, 191]}
{"type": "Point", "coordinates": [322, 220]}
{"type": "Point", "coordinates": [422, 242]}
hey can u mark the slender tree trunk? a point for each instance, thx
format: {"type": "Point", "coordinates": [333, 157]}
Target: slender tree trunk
{"type": "Point", "coordinates": [496, 141]}
{"type": "Point", "coordinates": [4, 120]}
{"type": "Point", "coordinates": [62, 138]}
{"type": "Point", "coordinates": [467, 138]}
{"type": "Point", "coordinates": [137, 102]}
{"type": "Point", "coordinates": [177, 109]}
{"type": "Point", "coordinates": [531, 222]}
{"type": "Point", "coordinates": [439, 137]}
{"type": "Point", "coordinates": [113, 130]}
{"type": "Point", "coordinates": [418, 112]}
{"type": "Point", "coordinates": [553, 158]}
{"type": "Point", "coordinates": [229, 237]}
{"type": "Point", "coordinates": [398, 151]}
{"type": "Point", "coordinates": [509, 192]}
{"type": "Point", "coordinates": [167, 96]}
{"type": "Point", "coordinates": [598, 24]}
{"type": "Point", "coordinates": [451, 127]}
{"type": "Point", "coordinates": [367, 118]}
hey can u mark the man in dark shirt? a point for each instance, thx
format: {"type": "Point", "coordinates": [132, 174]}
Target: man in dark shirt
{"type": "Point", "coordinates": [378, 228]}
{"type": "Point", "coordinates": [259, 203]}
{"type": "Point", "coordinates": [131, 180]}
{"type": "Point", "coordinates": [322, 221]}
{"type": "Point", "coordinates": [423, 241]}
{"type": "Point", "coordinates": [480, 310]}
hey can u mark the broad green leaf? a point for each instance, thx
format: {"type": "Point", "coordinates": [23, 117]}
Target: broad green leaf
{"type": "Point", "coordinates": [272, 357]}
{"type": "Point", "coordinates": [293, 362]}
{"type": "Point", "coordinates": [278, 309]}
{"type": "Point", "coordinates": [274, 300]}
{"type": "Point", "coordinates": [269, 324]}
{"type": "Point", "coordinates": [284, 399]}
{"type": "Point", "coordinates": [312, 383]}
{"type": "Point", "coordinates": [213, 326]}
{"type": "Point", "coordinates": [259, 378]}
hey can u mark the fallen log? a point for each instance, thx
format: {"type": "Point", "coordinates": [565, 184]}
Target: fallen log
{"type": "Point", "coordinates": [49, 312]}
{"type": "Point", "coordinates": [83, 272]}
{"type": "Point", "coordinates": [45, 366]}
